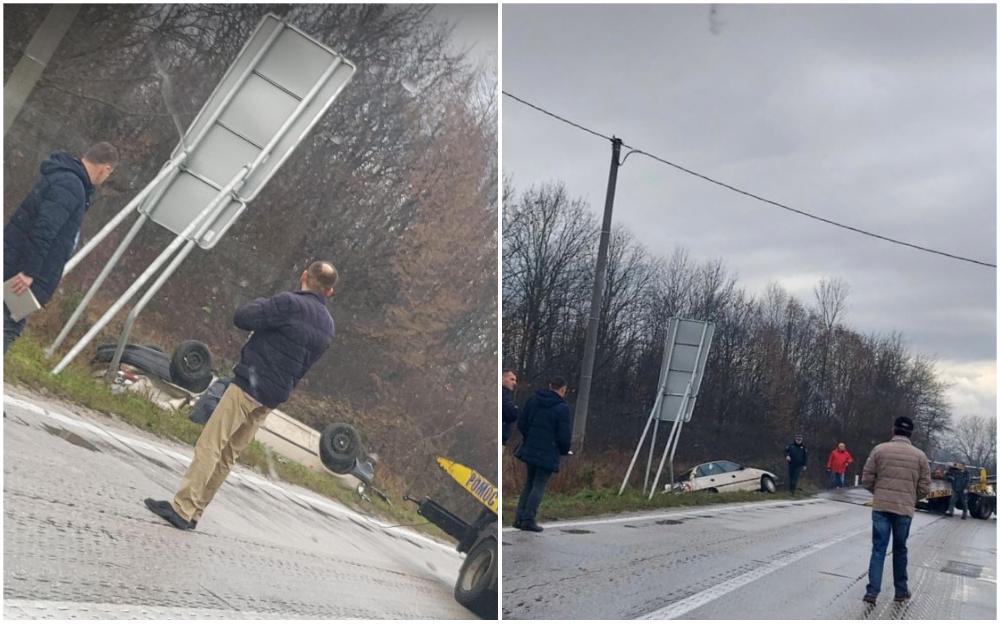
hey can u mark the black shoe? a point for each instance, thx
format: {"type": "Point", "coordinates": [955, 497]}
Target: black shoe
{"type": "Point", "coordinates": [516, 524]}
{"type": "Point", "coordinates": [166, 511]}
{"type": "Point", "coordinates": [531, 525]}
{"type": "Point", "coordinates": [902, 597]}
{"type": "Point", "coordinates": [870, 598]}
{"type": "Point", "coordinates": [193, 525]}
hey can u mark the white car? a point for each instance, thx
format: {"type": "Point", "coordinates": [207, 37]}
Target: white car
{"type": "Point", "coordinates": [725, 476]}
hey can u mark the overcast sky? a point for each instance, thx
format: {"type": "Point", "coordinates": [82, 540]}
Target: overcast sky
{"type": "Point", "coordinates": [883, 117]}
{"type": "Point", "coordinates": [475, 29]}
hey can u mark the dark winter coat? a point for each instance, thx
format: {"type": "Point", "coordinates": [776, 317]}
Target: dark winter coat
{"type": "Point", "coordinates": [291, 330]}
{"type": "Point", "coordinates": [509, 414]}
{"type": "Point", "coordinates": [798, 453]}
{"type": "Point", "coordinates": [959, 479]}
{"type": "Point", "coordinates": [43, 231]}
{"type": "Point", "coordinates": [547, 427]}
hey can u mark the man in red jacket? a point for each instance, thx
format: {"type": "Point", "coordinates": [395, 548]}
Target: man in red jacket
{"type": "Point", "coordinates": [837, 465]}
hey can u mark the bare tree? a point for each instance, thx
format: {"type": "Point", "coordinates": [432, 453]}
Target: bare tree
{"type": "Point", "coordinates": [831, 296]}
{"type": "Point", "coordinates": [975, 438]}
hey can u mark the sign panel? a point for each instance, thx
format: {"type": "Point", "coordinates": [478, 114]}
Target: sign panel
{"type": "Point", "coordinates": [272, 95]}
{"type": "Point", "coordinates": [685, 353]}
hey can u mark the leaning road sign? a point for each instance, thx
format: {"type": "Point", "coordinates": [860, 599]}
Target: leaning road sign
{"type": "Point", "coordinates": [685, 353]}
{"type": "Point", "coordinates": [270, 98]}
{"type": "Point", "coordinates": [683, 365]}
{"type": "Point", "coordinates": [272, 95]}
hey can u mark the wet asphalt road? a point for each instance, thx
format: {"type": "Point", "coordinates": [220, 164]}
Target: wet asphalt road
{"type": "Point", "coordinates": [78, 541]}
{"type": "Point", "coordinates": [801, 559]}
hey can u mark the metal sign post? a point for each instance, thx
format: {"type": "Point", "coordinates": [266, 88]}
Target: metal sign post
{"type": "Point", "coordinates": [685, 353]}
{"type": "Point", "coordinates": [272, 95]}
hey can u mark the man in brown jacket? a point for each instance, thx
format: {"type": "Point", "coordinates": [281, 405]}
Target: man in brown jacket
{"type": "Point", "coordinates": [898, 475]}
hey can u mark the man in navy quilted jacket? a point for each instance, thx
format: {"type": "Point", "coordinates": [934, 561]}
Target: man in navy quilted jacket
{"type": "Point", "coordinates": [45, 228]}
{"type": "Point", "coordinates": [291, 330]}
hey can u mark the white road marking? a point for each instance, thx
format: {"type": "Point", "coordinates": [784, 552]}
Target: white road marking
{"type": "Point", "coordinates": [688, 511]}
{"type": "Point", "coordinates": [686, 605]}
{"type": "Point", "coordinates": [184, 459]}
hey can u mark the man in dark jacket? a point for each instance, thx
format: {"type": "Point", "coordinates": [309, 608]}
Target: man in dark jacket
{"type": "Point", "coordinates": [547, 427]}
{"type": "Point", "coordinates": [958, 477]}
{"type": "Point", "coordinates": [44, 230]}
{"type": "Point", "coordinates": [797, 457]}
{"type": "Point", "coordinates": [291, 330]}
{"type": "Point", "coordinates": [509, 414]}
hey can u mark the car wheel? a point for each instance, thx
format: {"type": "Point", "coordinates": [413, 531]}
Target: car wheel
{"type": "Point", "coordinates": [476, 585]}
{"type": "Point", "coordinates": [191, 366]}
{"type": "Point", "coordinates": [712, 490]}
{"type": "Point", "coordinates": [767, 485]}
{"type": "Point", "coordinates": [339, 447]}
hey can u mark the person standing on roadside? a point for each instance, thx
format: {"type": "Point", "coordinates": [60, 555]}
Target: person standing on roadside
{"type": "Point", "coordinates": [836, 465]}
{"type": "Point", "coordinates": [898, 475]}
{"type": "Point", "coordinates": [291, 330]}
{"type": "Point", "coordinates": [547, 427]}
{"type": "Point", "coordinates": [958, 477]}
{"type": "Point", "coordinates": [508, 415]}
{"type": "Point", "coordinates": [797, 457]}
{"type": "Point", "coordinates": [44, 230]}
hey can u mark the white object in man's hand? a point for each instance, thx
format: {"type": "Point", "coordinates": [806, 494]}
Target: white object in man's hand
{"type": "Point", "coordinates": [20, 283]}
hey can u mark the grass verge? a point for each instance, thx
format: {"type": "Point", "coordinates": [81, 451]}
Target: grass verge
{"type": "Point", "coordinates": [563, 506]}
{"type": "Point", "coordinates": [26, 365]}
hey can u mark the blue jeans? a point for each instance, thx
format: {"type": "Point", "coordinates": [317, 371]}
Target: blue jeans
{"type": "Point", "coordinates": [885, 524]}
{"type": "Point", "coordinates": [836, 480]}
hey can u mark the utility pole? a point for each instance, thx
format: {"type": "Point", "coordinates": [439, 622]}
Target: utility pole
{"type": "Point", "coordinates": [597, 295]}
{"type": "Point", "coordinates": [36, 56]}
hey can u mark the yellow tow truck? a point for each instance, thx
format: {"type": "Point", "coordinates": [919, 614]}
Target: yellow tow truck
{"type": "Point", "coordinates": [981, 497]}
{"type": "Point", "coordinates": [341, 451]}
{"type": "Point", "coordinates": [476, 588]}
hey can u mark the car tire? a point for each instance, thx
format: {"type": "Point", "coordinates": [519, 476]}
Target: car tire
{"type": "Point", "coordinates": [475, 588]}
{"type": "Point", "coordinates": [145, 358]}
{"type": "Point", "coordinates": [767, 485]}
{"type": "Point", "coordinates": [339, 447]}
{"type": "Point", "coordinates": [191, 366]}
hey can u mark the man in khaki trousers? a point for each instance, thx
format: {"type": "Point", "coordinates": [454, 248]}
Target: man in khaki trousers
{"type": "Point", "coordinates": [290, 332]}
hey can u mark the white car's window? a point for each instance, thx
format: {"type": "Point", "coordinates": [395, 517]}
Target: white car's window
{"type": "Point", "coordinates": [710, 469]}
{"type": "Point", "coordinates": [728, 466]}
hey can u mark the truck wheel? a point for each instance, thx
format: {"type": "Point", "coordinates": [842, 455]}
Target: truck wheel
{"type": "Point", "coordinates": [767, 485]}
{"type": "Point", "coordinates": [191, 366]}
{"type": "Point", "coordinates": [476, 587]}
{"type": "Point", "coordinates": [981, 508]}
{"type": "Point", "coordinates": [339, 447]}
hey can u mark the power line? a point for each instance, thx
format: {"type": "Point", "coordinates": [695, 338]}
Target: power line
{"type": "Point", "coordinates": [551, 114]}
{"type": "Point", "coordinates": [803, 213]}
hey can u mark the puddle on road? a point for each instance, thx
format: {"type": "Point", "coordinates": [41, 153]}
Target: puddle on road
{"type": "Point", "coordinates": [71, 437]}
{"type": "Point", "coordinates": [576, 531]}
{"type": "Point", "coordinates": [962, 568]}
{"type": "Point", "coordinates": [663, 522]}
